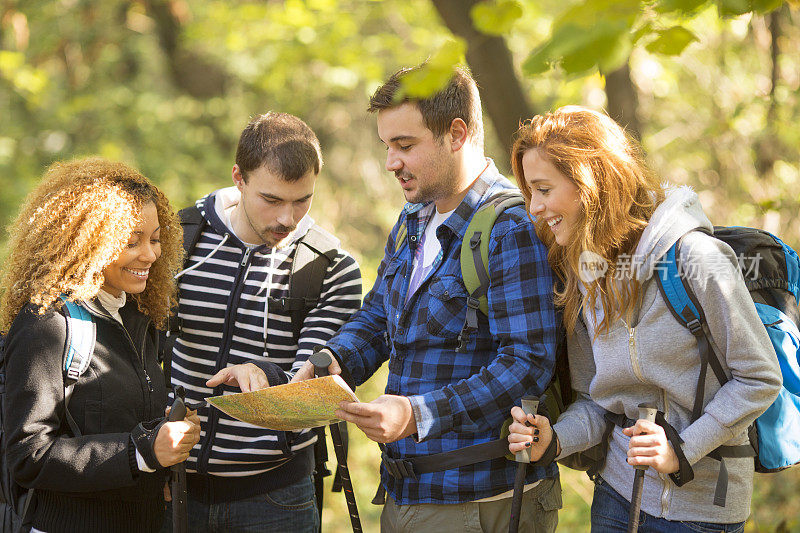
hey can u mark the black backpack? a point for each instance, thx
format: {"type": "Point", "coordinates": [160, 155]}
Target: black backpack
{"type": "Point", "coordinates": [18, 502]}
{"type": "Point", "coordinates": [316, 250]}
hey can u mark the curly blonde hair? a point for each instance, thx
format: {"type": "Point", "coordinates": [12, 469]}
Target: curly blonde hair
{"type": "Point", "coordinates": [618, 194]}
{"type": "Point", "coordinates": [73, 225]}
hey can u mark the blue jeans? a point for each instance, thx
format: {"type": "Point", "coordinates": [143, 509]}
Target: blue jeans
{"type": "Point", "coordinates": [610, 514]}
{"type": "Point", "coordinates": [289, 509]}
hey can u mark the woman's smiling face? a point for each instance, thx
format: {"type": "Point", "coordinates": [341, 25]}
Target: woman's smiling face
{"type": "Point", "coordinates": [555, 199]}
{"type": "Point", "coordinates": [129, 271]}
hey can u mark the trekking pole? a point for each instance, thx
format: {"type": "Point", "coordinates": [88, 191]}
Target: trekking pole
{"type": "Point", "coordinates": [321, 362]}
{"type": "Point", "coordinates": [530, 404]}
{"type": "Point", "coordinates": [646, 412]}
{"type": "Point", "coordinates": [180, 510]}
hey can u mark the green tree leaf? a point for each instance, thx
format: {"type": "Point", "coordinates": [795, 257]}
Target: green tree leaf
{"type": "Point", "coordinates": [672, 41]}
{"type": "Point", "coordinates": [733, 8]}
{"type": "Point", "coordinates": [578, 49]}
{"type": "Point", "coordinates": [435, 73]}
{"type": "Point", "coordinates": [644, 30]}
{"type": "Point", "coordinates": [495, 17]}
{"type": "Point", "coordinates": [685, 7]}
{"type": "Point", "coordinates": [566, 40]}
{"type": "Point", "coordinates": [593, 12]}
{"type": "Point", "coordinates": [765, 6]}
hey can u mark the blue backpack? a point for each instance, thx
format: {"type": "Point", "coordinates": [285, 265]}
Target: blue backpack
{"type": "Point", "coordinates": [771, 271]}
{"type": "Point", "coordinates": [16, 501]}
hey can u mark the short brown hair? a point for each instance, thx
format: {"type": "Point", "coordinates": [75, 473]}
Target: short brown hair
{"type": "Point", "coordinates": [282, 142]}
{"type": "Point", "coordinates": [458, 99]}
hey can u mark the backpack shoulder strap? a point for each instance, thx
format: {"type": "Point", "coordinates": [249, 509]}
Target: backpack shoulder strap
{"type": "Point", "coordinates": [78, 351]}
{"type": "Point", "coordinates": [316, 250]}
{"type": "Point", "coordinates": [475, 245]}
{"type": "Point", "coordinates": [192, 222]}
{"type": "Point", "coordinates": [682, 302]}
{"type": "Point", "coordinates": [475, 257]}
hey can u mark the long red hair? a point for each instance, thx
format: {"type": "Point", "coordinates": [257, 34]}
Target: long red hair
{"type": "Point", "coordinates": [618, 194]}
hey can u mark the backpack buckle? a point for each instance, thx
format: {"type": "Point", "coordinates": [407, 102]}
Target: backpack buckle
{"type": "Point", "coordinates": [462, 342]}
{"type": "Point", "coordinates": [694, 326]}
{"type": "Point", "coordinates": [475, 240]}
{"type": "Point", "coordinates": [473, 303]}
{"type": "Point", "coordinates": [399, 468]}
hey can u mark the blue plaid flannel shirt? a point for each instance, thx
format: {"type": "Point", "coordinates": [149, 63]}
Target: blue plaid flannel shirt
{"type": "Point", "coordinates": [458, 399]}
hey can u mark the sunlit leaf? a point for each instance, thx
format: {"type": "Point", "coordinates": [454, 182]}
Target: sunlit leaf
{"type": "Point", "coordinates": [672, 41]}
{"type": "Point", "coordinates": [578, 49]}
{"type": "Point", "coordinates": [495, 17]}
{"type": "Point", "coordinates": [436, 72]}
{"type": "Point", "coordinates": [685, 7]}
{"type": "Point", "coordinates": [645, 29]}
{"type": "Point", "coordinates": [615, 52]}
{"type": "Point", "coordinates": [11, 61]}
{"type": "Point", "coordinates": [566, 40]}
{"type": "Point", "coordinates": [733, 8]}
{"type": "Point", "coordinates": [593, 12]}
{"type": "Point", "coordinates": [30, 81]}
{"type": "Point", "coordinates": [765, 6]}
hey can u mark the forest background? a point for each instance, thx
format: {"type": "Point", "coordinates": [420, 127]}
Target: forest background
{"type": "Point", "coordinates": [710, 86]}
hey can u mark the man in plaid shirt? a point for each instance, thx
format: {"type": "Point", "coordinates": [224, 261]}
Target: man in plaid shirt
{"type": "Point", "coordinates": [438, 398]}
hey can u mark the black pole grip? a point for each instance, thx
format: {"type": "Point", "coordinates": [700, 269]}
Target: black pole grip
{"type": "Point", "coordinates": [178, 410]}
{"type": "Point", "coordinates": [180, 509]}
{"type": "Point", "coordinates": [321, 361]}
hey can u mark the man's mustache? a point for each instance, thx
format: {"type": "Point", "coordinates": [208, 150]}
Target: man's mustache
{"type": "Point", "coordinates": [403, 174]}
{"type": "Point", "coordinates": [281, 229]}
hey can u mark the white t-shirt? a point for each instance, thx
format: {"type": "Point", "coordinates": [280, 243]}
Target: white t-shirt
{"type": "Point", "coordinates": [427, 251]}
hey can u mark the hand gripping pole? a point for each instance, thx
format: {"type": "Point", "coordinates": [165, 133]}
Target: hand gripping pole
{"type": "Point", "coordinates": [646, 412]}
{"type": "Point", "coordinates": [321, 361]}
{"type": "Point", "coordinates": [180, 510]}
{"type": "Point", "coordinates": [530, 404]}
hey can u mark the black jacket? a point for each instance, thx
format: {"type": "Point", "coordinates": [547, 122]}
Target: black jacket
{"type": "Point", "coordinates": [88, 483]}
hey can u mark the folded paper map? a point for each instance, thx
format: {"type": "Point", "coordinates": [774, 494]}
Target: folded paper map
{"type": "Point", "coordinates": [305, 404]}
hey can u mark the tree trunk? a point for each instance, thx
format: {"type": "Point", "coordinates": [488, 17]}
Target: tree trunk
{"type": "Point", "coordinates": [623, 100]}
{"type": "Point", "coordinates": [490, 61]}
{"type": "Point", "coordinates": [767, 147]}
{"type": "Point", "coordinates": [190, 72]}
{"type": "Point", "coordinates": [774, 52]}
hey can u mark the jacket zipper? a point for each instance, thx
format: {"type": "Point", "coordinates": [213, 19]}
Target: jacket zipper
{"type": "Point", "coordinates": [213, 416]}
{"type": "Point", "coordinates": [140, 353]}
{"type": "Point", "coordinates": [633, 355]}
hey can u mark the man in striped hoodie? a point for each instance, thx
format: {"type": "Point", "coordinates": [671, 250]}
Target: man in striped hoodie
{"type": "Point", "coordinates": [237, 331]}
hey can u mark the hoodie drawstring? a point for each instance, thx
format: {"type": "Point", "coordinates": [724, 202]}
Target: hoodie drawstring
{"type": "Point", "coordinates": [204, 259]}
{"type": "Point", "coordinates": [266, 285]}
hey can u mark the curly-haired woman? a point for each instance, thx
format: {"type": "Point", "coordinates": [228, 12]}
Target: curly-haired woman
{"type": "Point", "coordinates": [593, 200]}
{"type": "Point", "coordinates": [101, 235]}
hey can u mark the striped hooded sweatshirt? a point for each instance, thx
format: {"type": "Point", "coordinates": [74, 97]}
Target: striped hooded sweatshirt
{"type": "Point", "coordinates": [226, 319]}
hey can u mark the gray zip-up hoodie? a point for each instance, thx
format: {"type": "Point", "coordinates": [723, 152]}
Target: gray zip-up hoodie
{"type": "Point", "coordinates": [655, 359]}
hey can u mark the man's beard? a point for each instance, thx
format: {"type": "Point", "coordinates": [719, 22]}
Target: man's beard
{"type": "Point", "coordinates": [426, 192]}
{"type": "Point", "coordinates": [266, 234]}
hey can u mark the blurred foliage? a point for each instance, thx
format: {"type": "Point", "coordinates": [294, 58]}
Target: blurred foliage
{"type": "Point", "coordinates": [168, 85]}
{"type": "Point", "coordinates": [600, 33]}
